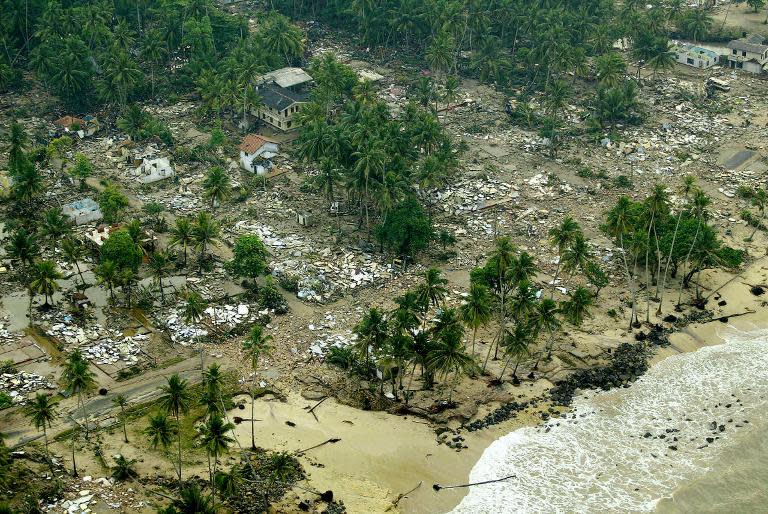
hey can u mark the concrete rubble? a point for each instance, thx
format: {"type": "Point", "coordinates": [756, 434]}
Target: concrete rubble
{"type": "Point", "coordinates": [21, 384]}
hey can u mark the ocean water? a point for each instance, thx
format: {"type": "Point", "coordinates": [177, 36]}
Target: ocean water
{"type": "Point", "coordinates": [645, 448]}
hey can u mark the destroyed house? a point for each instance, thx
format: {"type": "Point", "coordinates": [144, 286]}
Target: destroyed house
{"type": "Point", "coordinates": [86, 126]}
{"type": "Point", "coordinates": [294, 79]}
{"type": "Point", "coordinates": [82, 211]}
{"type": "Point", "coordinates": [695, 56]}
{"type": "Point", "coordinates": [256, 152]}
{"type": "Point", "coordinates": [748, 54]}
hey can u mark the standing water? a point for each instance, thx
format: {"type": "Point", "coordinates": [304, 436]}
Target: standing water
{"type": "Point", "coordinates": [691, 435]}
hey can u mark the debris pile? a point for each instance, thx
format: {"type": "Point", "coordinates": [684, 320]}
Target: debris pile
{"type": "Point", "coordinates": [18, 385]}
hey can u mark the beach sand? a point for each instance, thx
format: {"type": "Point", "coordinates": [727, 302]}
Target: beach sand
{"type": "Point", "coordinates": [381, 456]}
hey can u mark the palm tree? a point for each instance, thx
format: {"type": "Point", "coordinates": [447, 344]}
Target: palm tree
{"type": "Point", "coordinates": [174, 399]}
{"type": "Point", "coordinates": [282, 38]}
{"type": "Point", "coordinates": [42, 411]}
{"type": "Point", "coordinates": [153, 51]}
{"type": "Point", "coordinates": [160, 268]}
{"type": "Point", "coordinates": [610, 68]}
{"type": "Point", "coordinates": [107, 274]}
{"type": "Point", "coordinates": [476, 310]}
{"type": "Point", "coordinates": [44, 279]}
{"type": "Point", "coordinates": [759, 200]}
{"type": "Point", "coordinates": [161, 431]}
{"type": "Point", "coordinates": [23, 247]}
{"type": "Point", "coordinates": [699, 210]}
{"type": "Point", "coordinates": [440, 52]}
{"type": "Point", "coordinates": [216, 441]}
{"type": "Point", "coordinates": [121, 401]}
{"type": "Point", "coordinates": [182, 235]}
{"type": "Point", "coordinates": [502, 257]}
{"type": "Point", "coordinates": [205, 232]}
{"type": "Point", "coordinates": [433, 290]}
{"type": "Point", "coordinates": [686, 189]}
{"type": "Point", "coordinates": [576, 308]}
{"type": "Point", "coordinates": [194, 307]}
{"type": "Point", "coordinates": [213, 382]}
{"type": "Point", "coordinates": [19, 144]}
{"type": "Point", "coordinates": [123, 469]}
{"type": "Point", "coordinates": [516, 347]}
{"type": "Point", "coordinates": [576, 256]}
{"type": "Point", "coordinates": [79, 379]}
{"type": "Point", "coordinates": [562, 237]}
{"type": "Point", "coordinates": [217, 186]}
{"type": "Point", "coordinates": [54, 224]}
{"type": "Point", "coordinates": [620, 223]}
{"type": "Point", "coordinates": [256, 345]}
{"type": "Point", "coordinates": [545, 317]}
{"type": "Point", "coordinates": [695, 23]}
{"type": "Point", "coordinates": [73, 252]}
{"type": "Point", "coordinates": [372, 334]}
{"type": "Point", "coordinates": [192, 501]}
{"type": "Point", "coordinates": [662, 57]}
{"type": "Point", "coordinates": [449, 356]}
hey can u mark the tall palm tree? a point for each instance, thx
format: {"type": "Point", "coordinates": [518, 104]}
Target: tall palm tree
{"type": "Point", "coordinates": [54, 224]}
{"type": "Point", "coordinates": [476, 310]}
{"type": "Point", "coordinates": [216, 441]}
{"type": "Point", "coordinates": [182, 235]}
{"type": "Point", "coordinates": [160, 432]}
{"type": "Point", "coordinates": [174, 399]}
{"type": "Point", "coordinates": [433, 290]}
{"type": "Point", "coordinates": [687, 188]}
{"type": "Point", "coordinates": [516, 347]}
{"type": "Point", "coordinates": [79, 379]}
{"type": "Point", "coordinates": [759, 200]}
{"type": "Point", "coordinates": [42, 411]}
{"type": "Point", "coordinates": [699, 211]}
{"type": "Point", "coordinates": [107, 274]}
{"type": "Point", "coordinates": [122, 401]}
{"type": "Point", "coordinates": [153, 51]}
{"type": "Point", "coordinates": [561, 237]}
{"type": "Point", "coordinates": [657, 207]}
{"type": "Point", "coordinates": [217, 186]}
{"type": "Point", "coordinates": [205, 232]}
{"type": "Point", "coordinates": [372, 334]}
{"type": "Point", "coordinates": [73, 252]}
{"type": "Point", "coordinates": [619, 224]}
{"type": "Point", "coordinates": [192, 501]}
{"type": "Point", "coordinates": [545, 318]}
{"type": "Point", "coordinates": [213, 382]}
{"type": "Point", "coordinates": [610, 69]}
{"type": "Point", "coordinates": [255, 346]}
{"type": "Point", "coordinates": [44, 279]}
{"type": "Point", "coordinates": [449, 356]}
{"type": "Point", "coordinates": [23, 247]}
{"type": "Point", "coordinates": [576, 308]}
{"type": "Point", "coordinates": [502, 257]}
{"type": "Point", "coordinates": [160, 268]}
{"type": "Point", "coordinates": [577, 254]}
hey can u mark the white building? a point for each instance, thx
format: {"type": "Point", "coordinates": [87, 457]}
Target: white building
{"type": "Point", "coordinates": [152, 170]}
{"type": "Point", "coordinates": [82, 211]}
{"type": "Point", "coordinates": [256, 152]}
{"type": "Point", "coordinates": [282, 92]}
{"type": "Point", "coordinates": [695, 56]}
{"type": "Point", "coordinates": [748, 54]}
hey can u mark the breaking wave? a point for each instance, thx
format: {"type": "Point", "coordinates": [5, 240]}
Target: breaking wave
{"type": "Point", "coordinates": [632, 449]}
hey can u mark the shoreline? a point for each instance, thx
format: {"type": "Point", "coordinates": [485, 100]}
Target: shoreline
{"type": "Point", "coordinates": [381, 456]}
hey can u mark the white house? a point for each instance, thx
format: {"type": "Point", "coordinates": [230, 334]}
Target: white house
{"type": "Point", "coordinates": [256, 152]}
{"type": "Point", "coordinates": [82, 211]}
{"type": "Point", "coordinates": [152, 170]}
{"type": "Point", "coordinates": [695, 56]}
{"type": "Point", "coordinates": [748, 54]}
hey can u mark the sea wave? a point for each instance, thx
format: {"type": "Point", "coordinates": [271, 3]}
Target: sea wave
{"type": "Point", "coordinates": [627, 449]}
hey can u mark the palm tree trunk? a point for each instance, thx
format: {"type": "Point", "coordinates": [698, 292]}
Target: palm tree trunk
{"type": "Point", "coordinates": [669, 260]}
{"type": "Point", "coordinates": [253, 421]}
{"type": "Point", "coordinates": [178, 434]}
{"type": "Point", "coordinates": [74, 463]}
{"type": "Point", "coordinates": [629, 279]}
{"type": "Point", "coordinates": [555, 277]}
{"type": "Point", "coordinates": [687, 258]}
{"type": "Point", "coordinates": [125, 430]}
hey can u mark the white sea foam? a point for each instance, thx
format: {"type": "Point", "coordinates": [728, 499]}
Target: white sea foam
{"type": "Point", "coordinates": [600, 461]}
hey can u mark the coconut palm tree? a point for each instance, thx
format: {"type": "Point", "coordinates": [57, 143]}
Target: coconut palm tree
{"type": "Point", "coordinates": [255, 346]}
{"type": "Point", "coordinates": [192, 501]}
{"type": "Point", "coordinates": [216, 441]}
{"type": "Point", "coordinates": [449, 357]}
{"type": "Point", "coordinates": [44, 279]}
{"type": "Point", "coordinates": [55, 225]}
{"type": "Point", "coordinates": [205, 232]}
{"type": "Point", "coordinates": [217, 186]}
{"type": "Point", "coordinates": [576, 308]}
{"type": "Point", "coordinates": [657, 207]}
{"type": "Point", "coordinates": [502, 257]}
{"type": "Point", "coordinates": [561, 237]}
{"type": "Point", "coordinates": [577, 254]}
{"type": "Point", "coordinates": [433, 290]}
{"type": "Point", "coordinates": [121, 401]}
{"type": "Point", "coordinates": [160, 432]}
{"type": "Point", "coordinates": [372, 334]}
{"type": "Point", "coordinates": [688, 186]}
{"type": "Point", "coordinates": [182, 235]}
{"type": "Point", "coordinates": [107, 274]}
{"type": "Point", "coordinates": [123, 469]}
{"type": "Point", "coordinates": [699, 211]}
{"type": "Point", "coordinates": [545, 318]}
{"type": "Point", "coordinates": [42, 411]}
{"type": "Point", "coordinates": [73, 252]}
{"type": "Point", "coordinates": [174, 399]}
{"type": "Point", "coordinates": [476, 310]}
{"type": "Point", "coordinates": [23, 247]}
{"type": "Point", "coordinates": [516, 348]}
{"type": "Point", "coordinates": [610, 69]}
{"type": "Point", "coordinates": [213, 382]}
{"type": "Point", "coordinates": [79, 379]}
{"type": "Point", "coordinates": [619, 224]}
{"type": "Point", "coordinates": [160, 268]}
{"type": "Point", "coordinates": [194, 307]}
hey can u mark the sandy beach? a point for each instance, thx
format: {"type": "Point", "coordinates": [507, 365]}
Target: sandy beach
{"type": "Point", "coordinates": [380, 456]}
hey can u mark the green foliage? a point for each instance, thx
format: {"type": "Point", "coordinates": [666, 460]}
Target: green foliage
{"type": "Point", "coordinates": [623, 182]}
{"type": "Point", "coordinates": [407, 230]}
{"type": "Point", "coordinates": [112, 203]}
{"type": "Point", "coordinates": [121, 249]}
{"type": "Point", "coordinates": [140, 125]}
{"type": "Point", "coordinates": [58, 147]}
{"type": "Point", "coordinates": [341, 356]}
{"type": "Point", "coordinates": [5, 400]}
{"type": "Point", "coordinates": [596, 276]}
{"type": "Point", "coordinates": [270, 297]}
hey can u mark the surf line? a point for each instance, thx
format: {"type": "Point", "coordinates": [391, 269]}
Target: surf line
{"type": "Point", "coordinates": [438, 487]}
